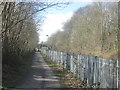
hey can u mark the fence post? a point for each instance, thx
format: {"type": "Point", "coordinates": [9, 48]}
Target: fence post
{"type": "Point", "coordinates": [117, 74]}
{"type": "Point", "coordinates": [68, 62]}
{"type": "Point", "coordinates": [71, 63]}
{"type": "Point", "coordinates": [78, 66]}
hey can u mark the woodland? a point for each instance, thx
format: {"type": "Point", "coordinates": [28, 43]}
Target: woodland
{"type": "Point", "coordinates": [20, 37]}
{"type": "Point", "coordinates": [92, 30]}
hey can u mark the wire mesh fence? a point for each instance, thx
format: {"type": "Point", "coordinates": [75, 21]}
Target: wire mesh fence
{"type": "Point", "coordinates": [95, 71]}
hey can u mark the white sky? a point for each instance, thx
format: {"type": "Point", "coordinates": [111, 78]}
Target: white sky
{"type": "Point", "coordinates": [52, 23]}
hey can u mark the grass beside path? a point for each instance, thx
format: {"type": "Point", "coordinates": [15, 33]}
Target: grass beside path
{"type": "Point", "coordinates": [67, 79]}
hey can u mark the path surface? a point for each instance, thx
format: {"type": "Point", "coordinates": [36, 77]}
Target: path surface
{"type": "Point", "coordinates": [40, 75]}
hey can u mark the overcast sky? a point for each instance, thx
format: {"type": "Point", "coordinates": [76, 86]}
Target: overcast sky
{"type": "Point", "coordinates": [56, 18]}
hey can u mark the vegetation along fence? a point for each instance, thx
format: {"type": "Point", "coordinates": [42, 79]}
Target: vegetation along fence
{"type": "Point", "coordinates": [92, 69]}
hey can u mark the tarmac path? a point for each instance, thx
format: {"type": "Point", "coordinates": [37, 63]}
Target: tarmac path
{"type": "Point", "coordinates": [40, 75]}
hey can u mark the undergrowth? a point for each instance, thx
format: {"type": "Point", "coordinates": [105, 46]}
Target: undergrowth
{"type": "Point", "coordinates": [13, 73]}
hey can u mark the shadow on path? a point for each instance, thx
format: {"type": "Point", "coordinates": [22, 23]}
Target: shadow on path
{"type": "Point", "coordinates": [40, 75]}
